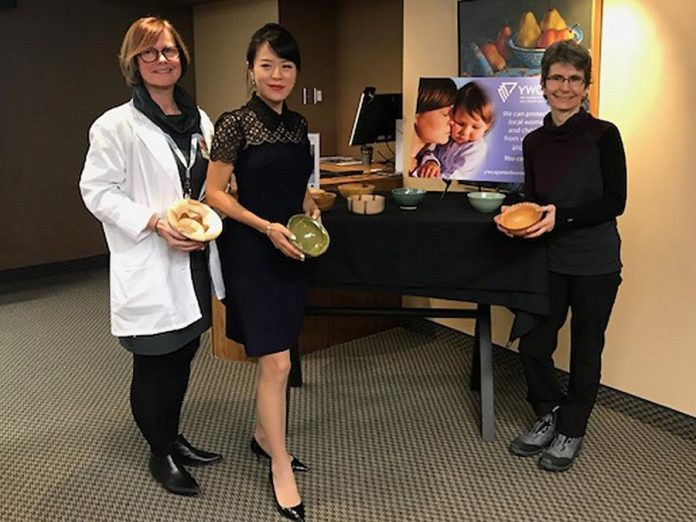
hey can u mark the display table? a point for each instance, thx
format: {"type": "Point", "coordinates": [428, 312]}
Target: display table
{"type": "Point", "coordinates": [357, 168]}
{"type": "Point", "coordinates": [445, 249]}
{"type": "Point", "coordinates": [383, 181]}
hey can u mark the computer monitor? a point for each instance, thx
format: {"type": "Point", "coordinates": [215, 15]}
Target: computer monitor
{"type": "Point", "coordinates": [375, 119]}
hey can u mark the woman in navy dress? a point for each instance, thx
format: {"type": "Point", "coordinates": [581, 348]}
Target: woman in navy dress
{"type": "Point", "coordinates": [265, 146]}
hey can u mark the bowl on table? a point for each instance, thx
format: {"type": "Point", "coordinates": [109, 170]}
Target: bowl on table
{"type": "Point", "coordinates": [311, 238]}
{"type": "Point", "coordinates": [367, 204]}
{"type": "Point", "coordinates": [408, 198]}
{"type": "Point", "coordinates": [324, 200]}
{"type": "Point", "coordinates": [354, 189]}
{"type": "Point", "coordinates": [518, 218]}
{"type": "Point", "coordinates": [485, 201]}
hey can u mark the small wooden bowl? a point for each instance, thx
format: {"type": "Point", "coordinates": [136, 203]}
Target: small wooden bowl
{"type": "Point", "coordinates": [518, 218]}
{"type": "Point", "coordinates": [324, 200]}
{"type": "Point", "coordinates": [368, 204]}
{"type": "Point", "coordinates": [353, 189]}
{"type": "Point", "coordinates": [194, 220]}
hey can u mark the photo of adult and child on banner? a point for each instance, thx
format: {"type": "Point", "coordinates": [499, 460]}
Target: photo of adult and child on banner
{"type": "Point", "coordinates": [470, 128]}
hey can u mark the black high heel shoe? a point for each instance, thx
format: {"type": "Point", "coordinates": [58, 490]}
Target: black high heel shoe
{"type": "Point", "coordinates": [296, 513]}
{"type": "Point", "coordinates": [296, 464]}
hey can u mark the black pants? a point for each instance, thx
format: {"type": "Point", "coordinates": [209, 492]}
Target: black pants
{"type": "Point", "coordinates": [590, 299]}
{"type": "Point", "coordinates": [157, 393]}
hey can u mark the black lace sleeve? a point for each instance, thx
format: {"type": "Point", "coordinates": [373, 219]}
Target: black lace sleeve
{"type": "Point", "coordinates": [228, 140]}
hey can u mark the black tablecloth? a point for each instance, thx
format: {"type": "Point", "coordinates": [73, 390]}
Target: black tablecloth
{"type": "Point", "coordinates": [444, 249]}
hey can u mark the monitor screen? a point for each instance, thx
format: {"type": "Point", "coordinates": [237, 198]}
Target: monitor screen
{"type": "Point", "coordinates": [375, 119]}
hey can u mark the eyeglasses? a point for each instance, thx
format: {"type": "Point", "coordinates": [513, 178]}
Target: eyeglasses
{"type": "Point", "coordinates": [556, 80]}
{"type": "Point", "coordinates": [152, 55]}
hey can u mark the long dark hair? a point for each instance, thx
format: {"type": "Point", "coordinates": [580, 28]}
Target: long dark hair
{"type": "Point", "coordinates": [279, 39]}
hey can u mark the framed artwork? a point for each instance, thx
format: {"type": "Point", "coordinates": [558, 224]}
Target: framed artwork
{"type": "Point", "coordinates": [507, 38]}
{"type": "Point", "coordinates": [314, 150]}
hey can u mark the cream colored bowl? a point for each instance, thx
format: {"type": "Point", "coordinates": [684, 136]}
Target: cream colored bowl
{"type": "Point", "coordinates": [368, 204]}
{"type": "Point", "coordinates": [194, 220]}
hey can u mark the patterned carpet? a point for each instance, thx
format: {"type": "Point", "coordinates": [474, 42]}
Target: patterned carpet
{"type": "Point", "coordinates": [386, 423]}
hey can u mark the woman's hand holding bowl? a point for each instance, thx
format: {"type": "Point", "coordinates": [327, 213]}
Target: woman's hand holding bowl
{"type": "Point", "coordinates": [312, 210]}
{"type": "Point", "coordinates": [545, 225]}
{"type": "Point", "coordinates": [496, 219]}
{"type": "Point", "coordinates": [280, 236]}
{"type": "Point", "coordinates": [174, 239]}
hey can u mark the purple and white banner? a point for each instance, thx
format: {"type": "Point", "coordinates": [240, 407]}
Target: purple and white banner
{"type": "Point", "coordinates": [481, 140]}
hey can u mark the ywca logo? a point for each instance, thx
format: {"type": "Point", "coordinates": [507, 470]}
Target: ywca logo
{"type": "Point", "coordinates": [505, 89]}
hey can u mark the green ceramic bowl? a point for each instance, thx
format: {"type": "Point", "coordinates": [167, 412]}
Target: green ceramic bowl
{"type": "Point", "coordinates": [486, 201]}
{"type": "Point", "coordinates": [408, 198]}
{"type": "Point", "coordinates": [312, 239]}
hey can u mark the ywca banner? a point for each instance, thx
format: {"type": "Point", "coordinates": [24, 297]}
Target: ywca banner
{"type": "Point", "coordinates": [488, 119]}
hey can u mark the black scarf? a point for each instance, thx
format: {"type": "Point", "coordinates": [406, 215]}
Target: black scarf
{"type": "Point", "coordinates": [177, 127]}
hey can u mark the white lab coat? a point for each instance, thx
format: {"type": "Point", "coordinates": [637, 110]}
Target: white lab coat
{"type": "Point", "coordinates": [130, 174]}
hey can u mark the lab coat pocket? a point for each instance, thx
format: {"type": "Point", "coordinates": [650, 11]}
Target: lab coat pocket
{"type": "Point", "coordinates": [133, 255]}
{"type": "Point", "coordinates": [137, 283]}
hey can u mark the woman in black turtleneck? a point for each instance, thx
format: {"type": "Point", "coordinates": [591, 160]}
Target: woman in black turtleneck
{"type": "Point", "coordinates": [576, 168]}
{"type": "Point", "coordinates": [143, 156]}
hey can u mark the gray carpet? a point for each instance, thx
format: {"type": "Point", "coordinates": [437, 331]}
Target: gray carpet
{"type": "Point", "coordinates": [386, 423]}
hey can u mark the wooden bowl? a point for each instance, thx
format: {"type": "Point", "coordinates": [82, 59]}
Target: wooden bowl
{"type": "Point", "coordinates": [518, 218]}
{"type": "Point", "coordinates": [324, 200]}
{"type": "Point", "coordinates": [194, 220]}
{"type": "Point", "coordinates": [354, 189]}
{"type": "Point", "coordinates": [368, 204]}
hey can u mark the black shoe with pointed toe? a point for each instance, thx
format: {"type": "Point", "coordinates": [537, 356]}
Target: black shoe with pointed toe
{"type": "Point", "coordinates": [187, 455]}
{"type": "Point", "coordinates": [291, 513]}
{"type": "Point", "coordinates": [172, 476]}
{"type": "Point", "coordinates": [296, 464]}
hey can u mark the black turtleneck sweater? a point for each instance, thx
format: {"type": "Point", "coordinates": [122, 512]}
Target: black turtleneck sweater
{"type": "Point", "coordinates": [580, 167]}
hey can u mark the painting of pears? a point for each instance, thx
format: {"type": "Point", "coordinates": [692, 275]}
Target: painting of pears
{"type": "Point", "coordinates": [509, 37]}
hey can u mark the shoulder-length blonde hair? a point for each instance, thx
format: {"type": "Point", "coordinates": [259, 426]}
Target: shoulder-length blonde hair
{"type": "Point", "coordinates": [141, 35]}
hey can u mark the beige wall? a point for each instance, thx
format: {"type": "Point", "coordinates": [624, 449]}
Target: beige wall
{"type": "Point", "coordinates": [368, 53]}
{"type": "Point", "coordinates": [313, 24]}
{"type": "Point", "coordinates": [649, 351]}
{"type": "Point", "coordinates": [221, 32]}
{"type": "Point", "coordinates": [346, 45]}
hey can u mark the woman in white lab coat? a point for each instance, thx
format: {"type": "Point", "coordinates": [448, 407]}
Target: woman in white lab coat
{"type": "Point", "coordinates": [143, 156]}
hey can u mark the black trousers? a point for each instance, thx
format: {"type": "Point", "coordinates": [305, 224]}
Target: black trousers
{"type": "Point", "coordinates": [590, 299]}
{"type": "Point", "coordinates": [157, 393]}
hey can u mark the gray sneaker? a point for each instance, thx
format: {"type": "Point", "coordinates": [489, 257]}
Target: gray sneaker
{"type": "Point", "coordinates": [561, 453]}
{"type": "Point", "coordinates": [536, 439]}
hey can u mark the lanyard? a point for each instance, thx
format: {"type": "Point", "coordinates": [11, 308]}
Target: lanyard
{"type": "Point", "coordinates": [193, 151]}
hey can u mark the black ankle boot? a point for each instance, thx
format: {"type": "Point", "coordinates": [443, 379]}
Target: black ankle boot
{"type": "Point", "coordinates": [173, 477]}
{"type": "Point", "coordinates": [187, 455]}
{"type": "Point", "coordinates": [257, 450]}
{"type": "Point", "coordinates": [296, 513]}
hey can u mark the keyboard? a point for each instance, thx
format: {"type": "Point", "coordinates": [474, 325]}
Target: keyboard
{"type": "Point", "coordinates": [340, 161]}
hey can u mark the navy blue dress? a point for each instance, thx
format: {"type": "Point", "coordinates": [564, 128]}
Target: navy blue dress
{"type": "Point", "coordinates": [266, 291]}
